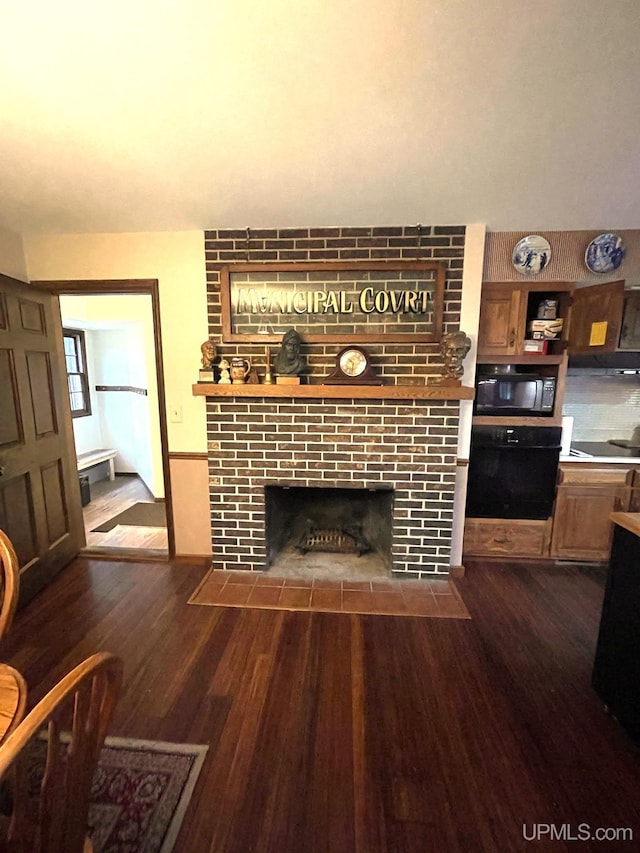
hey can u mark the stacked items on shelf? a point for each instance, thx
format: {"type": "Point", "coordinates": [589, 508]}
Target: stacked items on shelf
{"type": "Point", "coordinates": [547, 326]}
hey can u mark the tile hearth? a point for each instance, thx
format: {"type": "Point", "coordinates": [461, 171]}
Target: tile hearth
{"type": "Point", "coordinates": [432, 598]}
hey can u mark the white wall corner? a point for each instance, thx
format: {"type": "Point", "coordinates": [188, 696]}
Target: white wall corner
{"type": "Point", "coordinates": [474, 246]}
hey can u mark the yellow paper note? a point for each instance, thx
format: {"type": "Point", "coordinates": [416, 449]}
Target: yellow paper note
{"type": "Point", "coordinates": [598, 336]}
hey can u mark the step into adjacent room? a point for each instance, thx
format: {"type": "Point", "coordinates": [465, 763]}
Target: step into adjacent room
{"type": "Point", "coordinates": [123, 514]}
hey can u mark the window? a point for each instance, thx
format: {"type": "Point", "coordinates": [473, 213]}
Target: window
{"type": "Point", "coordinates": [75, 355]}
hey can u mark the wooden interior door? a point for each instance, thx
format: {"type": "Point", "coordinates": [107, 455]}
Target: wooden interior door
{"type": "Point", "coordinates": [40, 507]}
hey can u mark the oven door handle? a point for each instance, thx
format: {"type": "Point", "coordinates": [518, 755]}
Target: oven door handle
{"type": "Point", "coordinates": [516, 444]}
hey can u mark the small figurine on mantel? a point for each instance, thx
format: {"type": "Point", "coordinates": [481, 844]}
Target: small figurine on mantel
{"type": "Point", "coordinates": [268, 376]}
{"type": "Point", "coordinates": [454, 347]}
{"type": "Point", "coordinates": [225, 376]}
{"type": "Point", "coordinates": [289, 362]}
{"type": "Point", "coordinates": [208, 350]}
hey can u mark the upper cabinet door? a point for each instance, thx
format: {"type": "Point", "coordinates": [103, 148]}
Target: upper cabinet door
{"type": "Point", "coordinates": [596, 318]}
{"type": "Point", "coordinates": [630, 334]}
{"type": "Point", "coordinates": [500, 331]}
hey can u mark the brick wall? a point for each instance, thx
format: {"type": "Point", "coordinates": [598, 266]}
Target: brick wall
{"type": "Point", "coordinates": [409, 445]}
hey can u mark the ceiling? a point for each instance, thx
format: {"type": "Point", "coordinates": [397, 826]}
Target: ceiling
{"type": "Point", "coordinates": [146, 116]}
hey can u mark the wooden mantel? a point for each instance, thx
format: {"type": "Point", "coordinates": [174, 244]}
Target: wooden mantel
{"type": "Point", "coordinates": [338, 392]}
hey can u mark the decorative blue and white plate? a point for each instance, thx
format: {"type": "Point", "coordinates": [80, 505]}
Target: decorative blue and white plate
{"type": "Point", "coordinates": [531, 255]}
{"type": "Point", "coordinates": [604, 253]}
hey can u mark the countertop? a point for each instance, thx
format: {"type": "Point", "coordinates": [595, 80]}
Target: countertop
{"type": "Point", "coordinates": [629, 520]}
{"type": "Point", "coordinates": [601, 451]}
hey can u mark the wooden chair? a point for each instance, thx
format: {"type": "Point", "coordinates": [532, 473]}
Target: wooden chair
{"type": "Point", "coordinates": [54, 819]}
{"type": "Point", "coordinates": [9, 583]}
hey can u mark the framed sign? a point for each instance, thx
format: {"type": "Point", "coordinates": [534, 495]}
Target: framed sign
{"type": "Point", "coordinates": [332, 302]}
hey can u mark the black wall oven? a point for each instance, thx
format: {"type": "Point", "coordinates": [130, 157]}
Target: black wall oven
{"type": "Point", "coordinates": [512, 471]}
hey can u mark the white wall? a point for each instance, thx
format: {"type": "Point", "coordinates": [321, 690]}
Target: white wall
{"type": "Point", "coordinates": [121, 352]}
{"type": "Point", "coordinates": [117, 415]}
{"type": "Point", "coordinates": [12, 259]}
{"type": "Point", "coordinates": [177, 261]}
{"type": "Point", "coordinates": [469, 318]}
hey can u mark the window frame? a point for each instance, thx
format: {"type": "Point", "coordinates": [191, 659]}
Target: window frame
{"type": "Point", "coordinates": [80, 354]}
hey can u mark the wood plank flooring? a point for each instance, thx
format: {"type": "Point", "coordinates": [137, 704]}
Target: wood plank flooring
{"type": "Point", "coordinates": [357, 734]}
{"type": "Point", "coordinates": [108, 499]}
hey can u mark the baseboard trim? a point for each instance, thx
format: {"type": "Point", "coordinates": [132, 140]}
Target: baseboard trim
{"type": "Point", "coordinates": [125, 555]}
{"type": "Point", "coordinates": [194, 559]}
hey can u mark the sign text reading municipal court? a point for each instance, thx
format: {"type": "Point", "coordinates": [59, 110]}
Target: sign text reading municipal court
{"type": "Point", "coordinates": [251, 300]}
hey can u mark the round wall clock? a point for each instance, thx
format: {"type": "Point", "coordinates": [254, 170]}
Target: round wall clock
{"type": "Point", "coordinates": [353, 367]}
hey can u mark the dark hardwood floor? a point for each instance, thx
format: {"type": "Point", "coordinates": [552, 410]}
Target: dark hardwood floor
{"type": "Point", "coordinates": [338, 733]}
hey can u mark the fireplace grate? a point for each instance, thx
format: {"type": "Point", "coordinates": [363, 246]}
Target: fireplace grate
{"type": "Point", "coordinates": [337, 540]}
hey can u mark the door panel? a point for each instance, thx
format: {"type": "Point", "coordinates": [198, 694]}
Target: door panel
{"type": "Point", "coordinates": [41, 390]}
{"type": "Point", "coordinates": [54, 502]}
{"type": "Point", "coordinates": [17, 516]}
{"type": "Point", "coordinates": [10, 426]}
{"type": "Point", "coordinates": [32, 318]}
{"type": "Point", "coordinates": [40, 506]}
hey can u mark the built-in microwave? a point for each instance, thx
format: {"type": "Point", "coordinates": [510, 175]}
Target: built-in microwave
{"type": "Point", "coordinates": [515, 394]}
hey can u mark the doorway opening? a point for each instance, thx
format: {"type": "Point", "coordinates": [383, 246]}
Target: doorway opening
{"type": "Point", "coordinates": [118, 415]}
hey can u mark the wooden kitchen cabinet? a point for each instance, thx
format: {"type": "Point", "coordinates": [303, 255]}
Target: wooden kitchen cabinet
{"type": "Point", "coordinates": [630, 332]}
{"type": "Point", "coordinates": [584, 501]}
{"type": "Point", "coordinates": [501, 537]}
{"type": "Point", "coordinates": [596, 318]}
{"type": "Point", "coordinates": [505, 310]}
{"type": "Point", "coordinates": [500, 330]}
{"type": "Point", "coordinates": [634, 502]}
{"type": "Point", "coordinates": [605, 318]}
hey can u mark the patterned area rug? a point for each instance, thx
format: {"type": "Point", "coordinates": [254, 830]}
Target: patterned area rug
{"type": "Point", "coordinates": [140, 794]}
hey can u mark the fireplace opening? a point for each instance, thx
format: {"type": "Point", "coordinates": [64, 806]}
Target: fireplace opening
{"type": "Point", "coordinates": [328, 531]}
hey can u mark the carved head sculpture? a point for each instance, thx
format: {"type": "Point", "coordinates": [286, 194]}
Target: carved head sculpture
{"type": "Point", "coordinates": [454, 346]}
{"type": "Point", "coordinates": [208, 350]}
{"type": "Point", "coordinates": [289, 361]}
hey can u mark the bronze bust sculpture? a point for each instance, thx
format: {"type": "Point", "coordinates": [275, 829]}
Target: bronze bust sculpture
{"type": "Point", "coordinates": [454, 346]}
{"type": "Point", "coordinates": [289, 361]}
{"type": "Point", "coordinates": [208, 350]}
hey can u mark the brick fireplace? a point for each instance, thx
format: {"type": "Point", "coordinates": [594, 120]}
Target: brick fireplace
{"type": "Point", "coordinates": [402, 447]}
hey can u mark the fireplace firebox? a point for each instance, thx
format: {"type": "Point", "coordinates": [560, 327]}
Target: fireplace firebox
{"type": "Point", "coordinates": [338, 523]}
